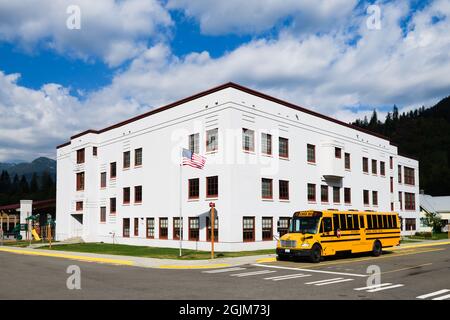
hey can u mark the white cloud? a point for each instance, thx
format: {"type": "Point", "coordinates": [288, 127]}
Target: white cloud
{"type": "Point", "coordinates": [253, 16]}
{"type": "Point", "coordinates": [111, 30]}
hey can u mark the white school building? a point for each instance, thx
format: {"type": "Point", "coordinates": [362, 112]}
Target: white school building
{"type": "Point", "coordinates": [265, 159]}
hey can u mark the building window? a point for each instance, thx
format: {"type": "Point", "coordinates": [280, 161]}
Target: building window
{"type": "Point", "coordinates": [374, 166]}
{"type": "Point", "coordinates": [311, 192]}
{"type": "Point", "coordinates": [336, 195]}
{"type": "Point", "coordinates": [283, 147]}
{"type": "Point", "coordinates": [176, 228]}
{"type": "Point", "coordinates": [194, 143]}
{"type": "Point", "coordinates": [79, 205]}
{"type": "Point", "coordinates": [283, 189]}
{"type": "Point", "coordinates": [103, 180]}
{"type": "Point", "coordinates": [365, 164]}
{"type": "Point", "coordinates": [311, 153]}
{"type": "Point", "coordinates": [266, 143]}
{"type": "Point", "coordinates": [409, 176]}
{"type": "Point", "coordinates": [283, 225]}
{"type": "Point", "coordinates": [138, 194]}
{"type": "Point", "coordinates": [392, 206]}
{"type": "Point", "coordinates": [163, 227]}
{"type": "Point", "coordinates": [194, 229]}
{"type": "Point", "coordinates": [80, 181]}
{"type": "Point", "coordinates": [337, 153]}
{"type": "Point", "coordinates": [248, 229]}
{"type": "Point", "coordinates": [410, 224]}
{"type": "Point", "coordinates": [391, 163]}
{"type": "Point", "coordinates": [375, 198]}
{"type": "Point", "coordinates": [324, 194]}
{"type": "Point", "coordinates": [410, 201]}
{"type": "Point", "coordinates": [126, 227]}
{"type": "Point", "coordinates": [94, 151]}
{"type": "Point", "coordinates": [392, 185]}
{"type": "Point", "coordinates": [366, 197]}
{"type": "Point", "coordinates": [382, 168]}
{"type": "Point", "coordinates": [347, 195]}
{"type": "Point", "coordinates": [248, 140]}
{"type": "Point", "coordinates": [399, 174]}
{"type": "Point", "coordinates": [112, 170]}
{"type": "Point", "coordinates": [400, 199]}
{"type": "Point", "coordinates": [150, 228]}
{"type": "Point", "coordinates": [80, 156]}
{"type": "Point", "coordinates": [216, 229]}
{"type": "Point", "coordinates": [136, 227]}
{"type": "Point", "coordinates": [347, 161]}
{"type": "Point", "coordinates": [126, 195]}
{"type": "Point", "coordinates": [102, 214]}
{"type": "Point", "coordinates": [267, 228]}
{"type": "Point", "coordinates": [194, 188]}
{"type": "Point", "coordinates": [212, 187]}
{"type": "Point", "coordinates": [138, 157]}
{"type": "Point", "coordinates": [212, 137]}
{"type": "Point", "coordinates": [126, 159]}
{"type": "Point", "coordinates": [266, 188]}
{"type": "Point", "coordinates": [112, 205]}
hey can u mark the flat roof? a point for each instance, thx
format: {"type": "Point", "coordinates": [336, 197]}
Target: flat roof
{"type": "Point", "coordinates": [216, 89]}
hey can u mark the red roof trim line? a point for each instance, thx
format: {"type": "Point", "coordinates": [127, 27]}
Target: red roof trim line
{"type": "Point", "coordinates": [218, 88]}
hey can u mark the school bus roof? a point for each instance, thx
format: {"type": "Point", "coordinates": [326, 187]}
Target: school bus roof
{"type": "Point", "coordinates": [316, 213]}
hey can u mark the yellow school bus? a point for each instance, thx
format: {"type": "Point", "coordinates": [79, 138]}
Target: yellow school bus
{"type": "Point", "coordinates": [315, 234]}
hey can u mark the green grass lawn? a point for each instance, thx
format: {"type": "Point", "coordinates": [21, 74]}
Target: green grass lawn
{"type": "Point", "coordinates": [436, 236]}
{"type": "Point", "coordinates": [150, 252]}
{"type": "Point", "coordinates": [21, 243]}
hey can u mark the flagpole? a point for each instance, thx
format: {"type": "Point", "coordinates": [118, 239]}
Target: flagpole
{"type": "Point", "coordinates": [181, 183]}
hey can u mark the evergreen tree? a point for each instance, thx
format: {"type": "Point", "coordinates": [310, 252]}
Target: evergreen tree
{"type": "Point", "coordinates": [5, 182]}
{"type": "Point", "coordinates": [24, 188]}
{"type": "Point", "coordinates": [34, 187]}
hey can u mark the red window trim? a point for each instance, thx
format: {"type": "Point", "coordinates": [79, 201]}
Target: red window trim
{"type": "Point", "coordinates": [167, 235]}
{"type": "Point", "coordinates": [189, 229]}
{"type": "Point", "coordinates": [253, 232]}
{"type": "Point", "coordinates": [212, 196]}
{"type": "Point", "coordinates": [136, 227]}
{"type": "Point", "coordinates": [146, 228]}
{"type": "Point", "coordinates": [314, 153]}
{"type": "Point", "coordinates": [123, 227]}
{"type": "Point", "coordinates": [284, 155]}
{"type": "Point", "coordinates": [189, 189]}
{"type": "Point", "coordinates": [271, 229]}
{"type": "Point", "coordinates": [208, 228]}
{"type": "Point", "coordinates": [271, 189]}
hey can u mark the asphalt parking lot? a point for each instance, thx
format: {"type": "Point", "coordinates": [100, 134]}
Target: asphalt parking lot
{"type": "Point", "coordinates": [419, 274]}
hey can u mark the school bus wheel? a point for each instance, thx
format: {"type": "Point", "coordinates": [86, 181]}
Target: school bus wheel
{"type": "Point", "coordinates": [316, 253]}
{"type": "Point", "coordinates": [377, 248]}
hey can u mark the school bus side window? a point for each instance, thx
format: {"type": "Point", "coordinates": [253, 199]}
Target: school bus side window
{"type": "Point", "coordinates": [355, 222]}
{"type": "Point", "coordinates": [349, 222]}
{"type": "Point", "coordinates": [361, 221]}
{"type": "Point", "coordinates": [380, 221]}
{"type": "Point", "coordinates": [385, 224]}
{"type": "Point", "coordinates": [326, 225]}
{"type": "Point", "coordinates": [336, 221]}
{"type": "Point", "coordinates": [342, 222]}
{"type": "Point", "coordinates": [369, 221]}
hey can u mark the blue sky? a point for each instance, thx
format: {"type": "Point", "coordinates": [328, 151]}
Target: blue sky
{"type": "Point", "coordinates": [337, 57]}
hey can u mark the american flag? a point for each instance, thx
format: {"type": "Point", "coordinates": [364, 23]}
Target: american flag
{"type": "Point", "coordinates": [192, 159]}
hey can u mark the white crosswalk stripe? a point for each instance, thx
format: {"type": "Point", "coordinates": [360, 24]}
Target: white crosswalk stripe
{"type": "Point", "coordinates": [287, 277]}
{"type": "Point", "coordinates": [386, 288]}
{"type": "Point", "coordinates": [320, 281]}
{"type": "Point", "coordinates": [436, 293]}
{"type": "Point", "coordinates": [254, 273]}
{"type": "Point", "coordinates": [333, 282]}
{"type": "Point", "coordinates": [375, 286]}
{"type": "Point", "coordinates": [224, 270]}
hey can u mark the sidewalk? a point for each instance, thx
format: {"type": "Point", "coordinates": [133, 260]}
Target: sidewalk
{"type": "Point", "coordinates": [177, 264]}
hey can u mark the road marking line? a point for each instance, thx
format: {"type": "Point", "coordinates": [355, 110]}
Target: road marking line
{"type": "Point", "coordinates": [289, 276]}
{"type": "Point", "coordinates": [421, 245]}
{"type": "Point", "coordinates": [373, 286]}
{"type": "Point", "coordinates": [326, 280]}
{"type": "Point", "coordinates": [266, 260]}
{"type": "Point", "coordinates": [306, 275]}
{"type": "Point", "coordinates": [254, 273]}
{"type": "Point", "coordinates": [69, 256]}
{"type": "Point", "coordinates": [224, 270]}
{"type": "Point", "coordinates": [332, 282]}
{"type": "Point", "coordinates": [424, 296]}
{"type": "Point", "coordinates": [403, 269]}
{"type": "Point", "coordinates": [386, 288]}
{"type": "Point", "coordinates": [442, 298]}
{"type": "Point", "coordinates": [202, 266]}
{"type": "Point", "coordinates": [311, 270]}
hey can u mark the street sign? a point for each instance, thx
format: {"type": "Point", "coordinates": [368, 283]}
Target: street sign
{"type": "Point", "coordinates": [212, 205]}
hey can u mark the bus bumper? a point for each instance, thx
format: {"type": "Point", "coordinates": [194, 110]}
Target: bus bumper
{"type": "Point", "coordinates": [292, 253]}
